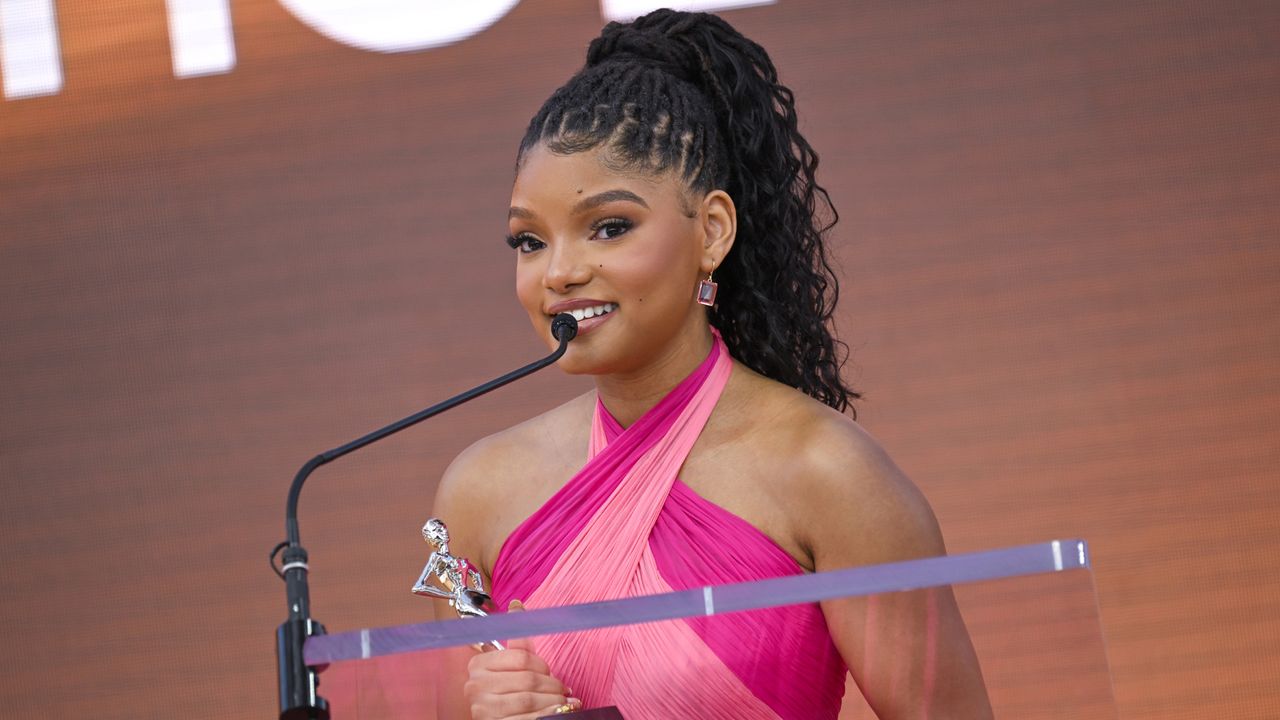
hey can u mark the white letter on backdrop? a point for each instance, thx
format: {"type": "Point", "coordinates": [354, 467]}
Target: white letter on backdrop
{"type": "Point", "coordinates": [201, 38]}
{"type": "Point", "coordinates": [398, 25]}
{"type": "Point", "coordinates": [624, 10]}
{"type": "Point", "coordinates": [29, 54]}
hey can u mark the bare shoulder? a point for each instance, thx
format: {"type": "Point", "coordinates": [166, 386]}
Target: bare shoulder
{"type": "Point", "coordinates": [496, 481]}
{"type": "Point", "coordinates": [849, 502]}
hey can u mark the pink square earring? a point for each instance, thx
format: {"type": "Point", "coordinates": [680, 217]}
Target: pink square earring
{"type": "Point", "coordinates": [707, 291]}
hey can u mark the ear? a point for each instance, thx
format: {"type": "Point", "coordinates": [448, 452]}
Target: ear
{"type": "Point", "coordinates": [719, 219]}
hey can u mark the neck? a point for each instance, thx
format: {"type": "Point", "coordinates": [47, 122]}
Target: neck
{"type": "Point", "coordinates": [628, 396]}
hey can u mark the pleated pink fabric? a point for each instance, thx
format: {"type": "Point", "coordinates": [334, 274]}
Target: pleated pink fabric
{"type": "Point", "coordinates": [626, 526]}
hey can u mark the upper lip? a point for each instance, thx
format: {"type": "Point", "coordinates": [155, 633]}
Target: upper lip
{"type": "Point", "coordinates": [578, 304]}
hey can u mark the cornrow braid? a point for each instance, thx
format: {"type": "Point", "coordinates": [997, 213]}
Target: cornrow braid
{"type": "Point", "coordinates": [686, 93]}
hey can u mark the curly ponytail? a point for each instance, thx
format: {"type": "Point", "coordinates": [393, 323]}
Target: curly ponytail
{"type": "Point", "coordinates": [685, 92]}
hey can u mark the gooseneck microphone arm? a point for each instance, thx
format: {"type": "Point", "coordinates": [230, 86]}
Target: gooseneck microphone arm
{"type": "Point", "coordinates": [298, 682]}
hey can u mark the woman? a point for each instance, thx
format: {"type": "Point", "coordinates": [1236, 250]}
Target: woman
{"type": "Point", "coordinates": [665, 196]}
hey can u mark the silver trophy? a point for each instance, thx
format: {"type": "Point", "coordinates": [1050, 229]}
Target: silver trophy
{"type": "Point", "coordinates": [453, 578]}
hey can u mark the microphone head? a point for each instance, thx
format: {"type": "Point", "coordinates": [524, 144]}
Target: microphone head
{"type": "Point", "coordinates": [563, 327]}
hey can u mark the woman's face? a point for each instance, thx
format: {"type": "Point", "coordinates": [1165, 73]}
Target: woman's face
{"type": "Point", "coordinates": [620, 248]}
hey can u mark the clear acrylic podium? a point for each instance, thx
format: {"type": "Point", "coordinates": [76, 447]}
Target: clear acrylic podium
{"type": "Point", "coordinates": [1031, 613]}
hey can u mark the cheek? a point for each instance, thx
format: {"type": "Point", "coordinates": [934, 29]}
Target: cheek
{"type": "Point", "coordinates": [661, 275]}
{"type": "Point", "coordinates": [528, 288]}
{"type": "Point", "coordinates": [651, 278]}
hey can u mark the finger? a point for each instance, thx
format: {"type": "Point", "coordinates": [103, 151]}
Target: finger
{"type": "Point", "coordinates": [500, 683]}
{"type": "Point", "coordinates": [532, 705]}
{"type": "Point", "coordinates": [573, 702]}
{"type": "Point", "coordinates": [518, 643]}
{"type": "Point", "coordinates": [509, 660]}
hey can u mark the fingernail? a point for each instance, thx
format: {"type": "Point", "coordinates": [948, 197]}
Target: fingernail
{"type": "Point", "coordinates": [575, 702]}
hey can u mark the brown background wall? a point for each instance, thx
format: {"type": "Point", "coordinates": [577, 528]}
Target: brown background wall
{"type": "Point", "coordinates": [1059, 245]}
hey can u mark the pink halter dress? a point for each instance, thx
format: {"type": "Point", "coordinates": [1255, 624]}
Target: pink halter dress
{"type": "Point", "coordinates": [625, 525]}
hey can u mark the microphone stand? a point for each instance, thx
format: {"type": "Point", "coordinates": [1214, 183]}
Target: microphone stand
{"type": "Point", "coordinates": [298, 681]}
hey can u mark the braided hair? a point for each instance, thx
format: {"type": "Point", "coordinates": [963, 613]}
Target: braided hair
{"type": "Point", "coordinates": [687, 93]}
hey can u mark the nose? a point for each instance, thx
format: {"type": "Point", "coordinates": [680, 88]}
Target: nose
{"type": "Point", "coordinates": [566, 268]}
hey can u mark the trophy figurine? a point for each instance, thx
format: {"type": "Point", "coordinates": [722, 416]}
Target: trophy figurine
{"type": "Point", "coordinates": [455, 579]}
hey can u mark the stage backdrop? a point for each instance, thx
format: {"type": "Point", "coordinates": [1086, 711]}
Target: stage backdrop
{"type": "Point", "coordinates": [234, 235]}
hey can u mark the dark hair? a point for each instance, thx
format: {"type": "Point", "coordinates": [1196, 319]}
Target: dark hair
{"type": "Point", "coordinates": [685, 92]}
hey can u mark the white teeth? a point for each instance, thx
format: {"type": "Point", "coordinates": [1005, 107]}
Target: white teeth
{"type": "Point", "coordinates": [581, 314]}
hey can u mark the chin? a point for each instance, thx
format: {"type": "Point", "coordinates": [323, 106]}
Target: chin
{"type": "Point", "coordinates": [578, 360]}
{"type": "Point", "coordinates": [599, 353]}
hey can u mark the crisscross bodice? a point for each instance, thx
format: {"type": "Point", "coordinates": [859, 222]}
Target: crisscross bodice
{"type": "Point", "coordinates": [625, 525]}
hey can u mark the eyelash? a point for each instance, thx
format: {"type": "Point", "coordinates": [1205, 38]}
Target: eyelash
{"type": "Point", "coordinates": [523, 241]}
{"type": "Point", "coordinates": [613, 222]}
{"type": "Point", "coordinates": [517, 242]}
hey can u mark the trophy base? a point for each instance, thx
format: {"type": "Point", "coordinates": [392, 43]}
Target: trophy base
{"type": "Point", "coordinates": [600, 713]}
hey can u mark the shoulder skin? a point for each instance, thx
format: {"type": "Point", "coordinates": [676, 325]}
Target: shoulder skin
{"type": "Point", "coordinates": [845, 500]}
{"type": "Point", "coordinates": [499, 480]}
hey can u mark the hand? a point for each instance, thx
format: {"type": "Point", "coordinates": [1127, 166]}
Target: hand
{"type": "Point", "coordinates": [513, 684]}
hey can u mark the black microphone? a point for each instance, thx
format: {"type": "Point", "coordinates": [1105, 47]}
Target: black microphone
{"type": "Point", "coordinates": [298, 681]}
{"type": "Point", "coordinates": [564, 328]}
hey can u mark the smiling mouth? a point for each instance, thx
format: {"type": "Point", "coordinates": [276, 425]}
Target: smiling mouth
{"type": "Point", "coordinates": [581, 314]}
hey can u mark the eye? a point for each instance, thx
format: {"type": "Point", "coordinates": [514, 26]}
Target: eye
{"type": "Point", "coordinates": [525, 243]}
{"type": "Point", "coordinates": [610, 228]}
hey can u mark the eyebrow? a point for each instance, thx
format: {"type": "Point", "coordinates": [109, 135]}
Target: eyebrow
{"type": "Point", "coordinates": [608, 196]}
{"type": "Point", "coordinates": [587, 203]}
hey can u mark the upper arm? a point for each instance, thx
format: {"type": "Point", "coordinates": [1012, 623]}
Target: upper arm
{"type": "Point", "coordinates": [908, 651]}
{"type": "Point", "coordinates": [865, 509]}
{"type": "Point", "coordinates": [464, 499]}
{"type": "Point", "coordinates": [460, 499]}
